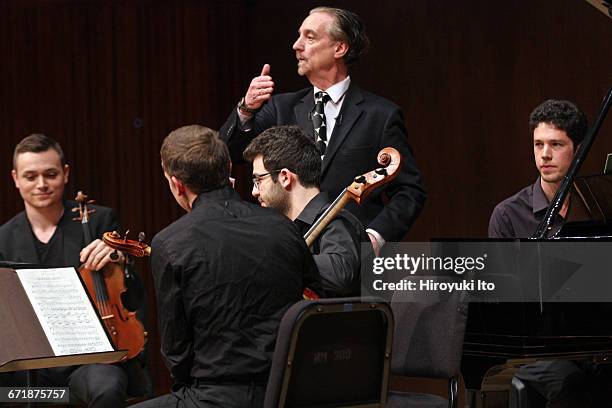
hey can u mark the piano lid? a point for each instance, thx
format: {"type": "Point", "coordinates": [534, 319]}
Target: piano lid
{"type": "Point", "coordinates": [590, 208]}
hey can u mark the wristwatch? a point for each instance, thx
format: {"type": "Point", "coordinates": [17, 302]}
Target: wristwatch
{"type": "Point", "coordinates": [242, 107]}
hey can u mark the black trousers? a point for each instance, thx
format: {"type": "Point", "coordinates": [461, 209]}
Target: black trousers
{"type": "Point", "coordinates": [568, 384]}
{"type": "Point", "coordinates": [94, 385]}
{"type": "Point", "coordinates": [97, 385]}
{"type": "Point", "coordinates": [209, 396]}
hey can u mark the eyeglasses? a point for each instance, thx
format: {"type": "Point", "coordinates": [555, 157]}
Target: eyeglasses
{"type": "Point", "coordinates": [258, 177]}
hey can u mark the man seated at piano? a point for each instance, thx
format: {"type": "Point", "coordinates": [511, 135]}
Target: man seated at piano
{"type": "Point", "coordinates": [46, 235]}
{"type": "Point", "coordinates": [286, 177]}
{"type": "Point", "coordinates": [558, 127]}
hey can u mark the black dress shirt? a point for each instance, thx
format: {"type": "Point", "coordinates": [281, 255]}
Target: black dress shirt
{"type": "Point", "coordinates": [560, 380]}
{"type": "Point", "coordinates": [337, 250]}
{"type": "Point", "coordinates": [224, 275]}
{"type": "Point", "coordinates": [520, 215]}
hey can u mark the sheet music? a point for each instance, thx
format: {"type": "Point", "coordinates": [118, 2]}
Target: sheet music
{"type": "Point", "coordinates": [64, 311]}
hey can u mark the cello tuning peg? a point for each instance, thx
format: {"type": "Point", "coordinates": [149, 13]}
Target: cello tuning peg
{"type": "Point", "coordinates": [141, 237]}
{"type": "Point", "coordinates": [381, 170]}
{"type": "Point", "coordinates": [126, 235]}
{"type": "Point", "coordinates": [360, 179]}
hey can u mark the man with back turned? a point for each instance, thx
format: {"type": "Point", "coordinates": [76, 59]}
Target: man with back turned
{"type": "Point", "coordinates": [224, 274]}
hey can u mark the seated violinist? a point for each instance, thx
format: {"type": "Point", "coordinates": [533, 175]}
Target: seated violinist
{"type": "Point", "coordinates": [286, 177]}
{"type": "Point", "coordinates": [45, 234]}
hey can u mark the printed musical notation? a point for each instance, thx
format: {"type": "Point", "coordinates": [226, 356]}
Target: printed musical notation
{"type": "Point", "coordinates": [64, 311]}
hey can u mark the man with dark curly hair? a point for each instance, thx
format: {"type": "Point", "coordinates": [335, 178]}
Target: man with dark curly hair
{"type": "Point", "coordinates": [558, 127]}
{"type": "Point", "coordinates": [349, 125]}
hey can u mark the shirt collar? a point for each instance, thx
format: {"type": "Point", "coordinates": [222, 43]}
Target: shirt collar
{"type": "Point", "coordinates": [313, 208]}
{"type": "Point", "coordinates": [337, 90]}
{"type": "Point", "coordinates": [539, 201]}
{"type": "Point", "coordinates": [218, 194]}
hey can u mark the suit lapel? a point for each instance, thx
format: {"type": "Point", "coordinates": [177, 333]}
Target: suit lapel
{"type": "Point", "coordinates": [303, 111]}
{"type": "Point", "coordinates": [349, 113]}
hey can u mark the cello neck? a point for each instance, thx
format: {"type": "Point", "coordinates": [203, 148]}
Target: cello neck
{"type": "Point", "coordinates": [330, 213]}
{"type": "Point", "coordinates": [86, 231]}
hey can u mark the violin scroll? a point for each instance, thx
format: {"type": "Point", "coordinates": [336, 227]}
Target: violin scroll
{"type": "Point", "coordinates": [138, 248]}
{"type": "Point", "coordinates": [82, 209]}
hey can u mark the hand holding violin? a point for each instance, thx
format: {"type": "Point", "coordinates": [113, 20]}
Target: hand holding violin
{"type": "Point", "coordinates": [106, 286]}
{"type": "Point", "coordinates": [97, 255]}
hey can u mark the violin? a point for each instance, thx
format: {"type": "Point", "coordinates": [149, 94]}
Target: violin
{"type": "Point", "coordinates": [105, 288]}
{"type": "Point", "coordinates": [128, 246]}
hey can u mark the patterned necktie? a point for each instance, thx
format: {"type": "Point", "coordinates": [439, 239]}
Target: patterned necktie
{"type": "Point", "coordinates": [318, 121]}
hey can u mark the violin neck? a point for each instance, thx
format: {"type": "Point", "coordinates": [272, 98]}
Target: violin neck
{"type": "Point", "coordinates": [330, 213]}
{"type": "Point", "coordinates": [87, 233]}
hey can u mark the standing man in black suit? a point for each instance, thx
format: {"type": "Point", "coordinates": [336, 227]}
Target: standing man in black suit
{"type": "Point", "coordinates": [45, 234]}
{"type": "Point", "coordinates": [349, 124]}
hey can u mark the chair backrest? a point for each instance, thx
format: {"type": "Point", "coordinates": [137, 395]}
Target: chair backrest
{"type": "Point", "coordinates": [332, 352]}
{"type": "Point", "coordinates": [429, 332]}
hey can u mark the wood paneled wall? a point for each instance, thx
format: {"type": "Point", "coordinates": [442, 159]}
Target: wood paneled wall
{"type": "Point", "coordinates": [467, 75]}
{"type": "Point", "coordinates": [109, 80]}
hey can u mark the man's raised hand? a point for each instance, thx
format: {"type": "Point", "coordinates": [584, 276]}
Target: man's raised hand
{"type": "Point", "coordinates": [260, 89]}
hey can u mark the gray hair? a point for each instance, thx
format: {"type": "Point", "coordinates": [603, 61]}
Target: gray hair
{"type": "Point", "coordinates": [347, 27]}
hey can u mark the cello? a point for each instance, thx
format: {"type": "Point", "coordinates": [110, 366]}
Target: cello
{"type": "Point", "coordinates": [391, 161]}
{"type": "Point", "coordinates": [105, 288]}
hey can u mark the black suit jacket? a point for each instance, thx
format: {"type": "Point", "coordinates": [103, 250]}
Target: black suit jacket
{"type": "Point", "coordinates": [17, 240]}
{"type": "Point", "coordinates": [366, 124]}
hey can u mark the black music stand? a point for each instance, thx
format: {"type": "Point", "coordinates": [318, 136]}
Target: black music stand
{"type": "Point", "coordinates": [25, 345]}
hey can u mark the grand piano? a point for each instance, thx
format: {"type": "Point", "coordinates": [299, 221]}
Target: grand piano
{"type": "Point", "coordinates": [500, 337]}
